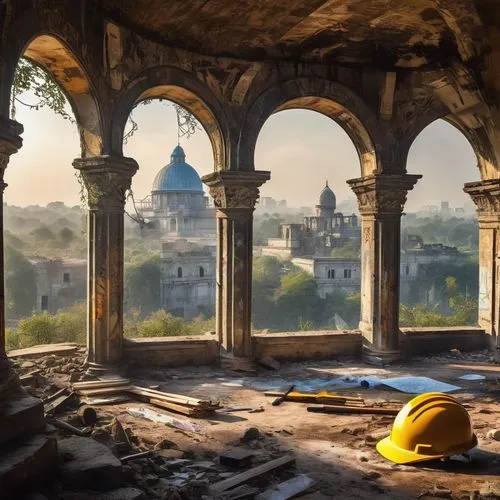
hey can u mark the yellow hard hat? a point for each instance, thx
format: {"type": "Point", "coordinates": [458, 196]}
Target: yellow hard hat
{"type": "Point", "coordinates": [430, 426]}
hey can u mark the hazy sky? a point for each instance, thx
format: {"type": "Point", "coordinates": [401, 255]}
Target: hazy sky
{"type": "Point", "coordinates": [301, 149]}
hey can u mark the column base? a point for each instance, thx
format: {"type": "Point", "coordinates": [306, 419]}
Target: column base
{"type": "Point", "coordinates": [376, 357]}
{"type": "Point", "coordinates": [102, 370]}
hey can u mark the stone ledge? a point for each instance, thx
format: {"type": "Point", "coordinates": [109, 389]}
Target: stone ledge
{"type": "Point", "coordinates": [432, 340]}
{"type": "Point", "coordinates": [307, 345]}
{"type": "Point", "coordinates": [38, 351]}
{"type": "Point", "coordinates": [172, 351]}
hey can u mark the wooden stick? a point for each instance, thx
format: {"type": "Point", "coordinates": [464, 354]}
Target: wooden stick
{"type": "Point", "coordinates": [173, 398]}
{"type": "Point", "coordinates": [68, 427]}
{"type": "Point", "coordinates": [231, 482]}
{"type": "Point", "coordinates": [353, 409]}
{"type": "Point", "coordinates": [304, 397]}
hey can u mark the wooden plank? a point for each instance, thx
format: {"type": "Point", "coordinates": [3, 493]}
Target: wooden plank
{"type": "Point", "coordinates": [354, 409]}
{"type": "Point", "coordinates": [287, 489]}
{"type": "Point", "coordinates": [39, 351]}
{"type": "Point", "coordinates": [320, 397]}
{"type": "Point", "coordinates": [150, 393]}
{"type": "Point", "coordinates": [104, 390]}
{"type": "Point", "coordinates": [231, 482]}
{"type": "Point", "coordinates": [100, 384]}
{"type": "Point", "coordinates": [184, 410]}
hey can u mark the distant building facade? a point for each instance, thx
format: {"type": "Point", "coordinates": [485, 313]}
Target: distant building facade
{"type": "Point", "coordinates": [60, 283]}
{"type": "Point", "coordinates": [318, 235]}
{"type": "Point", "coordinates": [188, 278]}
{"type": "Point", "coordinates": [185, 219]}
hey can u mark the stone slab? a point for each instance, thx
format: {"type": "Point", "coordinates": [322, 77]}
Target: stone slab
{"type": "Point", "coordinates": [85, 463]}
{"type": "Point", "coordinates": [39, 351]}
{"type": "Point", "coordinates": [26, 463]}
{"type": "Point", "coordinates": [20, 415]}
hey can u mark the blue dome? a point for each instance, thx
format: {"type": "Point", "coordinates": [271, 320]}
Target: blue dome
{"type": "Point", "coordinates": [177, 175]}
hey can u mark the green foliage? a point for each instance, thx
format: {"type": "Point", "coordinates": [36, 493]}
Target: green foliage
{"type": "Point", "coordinates": [142, 284]}
{"type": "Point", "coordinates": [66, 235]}
{"type": "Point", "coordinates": [20, 284]}
{"type": "Point", "coordinates": [32, 78]}
{"type": "Point", "coordinates": [453, 231]}
{"type": "Point", "coordinates": [351, 250]}
{"type": "Point", "coordinates": [265, 228]}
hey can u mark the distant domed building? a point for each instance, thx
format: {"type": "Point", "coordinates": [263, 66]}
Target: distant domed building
{"type": "Point", "coordinates": [180, 211]}
{"type": "Point", "coordinates": [318, 235]}
{"type": "Point", "coordinates": [177, 204]}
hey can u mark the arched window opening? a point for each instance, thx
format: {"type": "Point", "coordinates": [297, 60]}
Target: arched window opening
{"type": "Point", "coordinates": [295, 222]}
{"type": "Point", "coordinates": [202, 272]}
{"type": "Point", "coordinates": [180, 236]}
{"type": "Point", "coordinates": [439, 232]}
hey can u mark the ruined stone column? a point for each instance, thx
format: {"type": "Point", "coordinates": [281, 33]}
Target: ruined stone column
{"type": "Point", "coordinates": [486, 196]}
{"type": "Point", "coordinates": [381, 199]}
{"type": "Point", "coordinates": [235, 195]}
{"type": "Point", "coordinates": [107, 179]}
{"type": "Point", "coordinates": [10, 143]}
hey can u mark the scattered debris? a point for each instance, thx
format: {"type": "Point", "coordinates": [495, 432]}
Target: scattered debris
{"type": "Point", "coordinates": [282, 398]}
{"type": "Point", "coordinates": [243, 492]}
{"type": "Point", "coordinates": [287, 489]}
{"type": "Point", "coordinates": [320, 397]}
{"type": "Point", "coordinates": [54, 404]}
{"type": "Point", "coordinates": [231, 482]}
{"type": "Point", "coordinates": [136, 456]}
{"type": "Point", "coordinates": [472, 376]}
{"type": "Point", "coordinates": [183, 425]}
{"type": "Point", "coordinates": [494, 434]}
{"type": "Point", "coordinates": [353, 409]}
{"type": "Point", "coordinates": [87, 414]}
{"type": "Point", "coordinates": [251, 434]}
{"type": "Point", "coordinates": [231, 409]}
{"type": "Point", "coordinates": [68, 427]}
{"type": "Point", "coordinates": [237, 457]}
{"type": "Point", "coordinates": [269, 362]}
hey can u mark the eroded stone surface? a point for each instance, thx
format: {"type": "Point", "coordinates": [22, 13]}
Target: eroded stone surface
{"type": "Point", "coordinates": [88, 464]}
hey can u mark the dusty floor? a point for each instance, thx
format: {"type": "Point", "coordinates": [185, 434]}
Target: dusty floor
{"type": "Point", "coordinates": [338, 451]}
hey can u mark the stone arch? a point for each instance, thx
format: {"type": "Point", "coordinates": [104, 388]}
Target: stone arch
{"type": "Point", "coordinates": [326, 97]}
{"type": "Point", "coordinates": [476, 137]}
{"type": "Point", "coordinates": [54, 55]}
{"type": "Point", "coordinates": [185, 90]}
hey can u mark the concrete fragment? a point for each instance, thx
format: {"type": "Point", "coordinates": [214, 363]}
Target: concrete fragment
{"type": "Point", "coordinates": [251, 434]}
{"type": "Point", "coordinates": [494, 434]}
{"type": "Point", "coordinates": [22, 463]}
{"type": "Point", "coordinates": [123, 494]}
{"type": "Point", "coordinates": [237, 457]}
{"type": "Point", "coordinates": [89, 464]}
{"type": "Point", "coordinates": [269, 362]}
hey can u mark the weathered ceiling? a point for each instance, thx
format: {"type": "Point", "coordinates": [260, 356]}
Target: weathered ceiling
{"type": "Point", "coordinates": [385, 33]}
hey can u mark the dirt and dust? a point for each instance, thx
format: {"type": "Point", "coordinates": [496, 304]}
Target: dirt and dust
{"type": "Point", "coordinates": [337, 451]}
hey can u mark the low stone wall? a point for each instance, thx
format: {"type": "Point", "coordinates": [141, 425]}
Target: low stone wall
{"type": "Point", "coordinates": [433, 340]}
{"type": "Point", "coordinates": [306, 345]}
{"type": "Point", "coordinates": [172, 351]}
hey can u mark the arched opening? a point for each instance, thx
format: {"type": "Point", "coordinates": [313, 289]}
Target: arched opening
{"type": "Point", "coordinates": [174, 236]}
{"type": "Point", "coordinates": [202, 272]}
{"type": "Point", "coordinates": [51, 54]}
{"type": "Point", "coordinates": [44, 229]}
{"type": "Point", "coordinates": [306, 273]}
{"type": "Point", "coordinates": [439, 247]}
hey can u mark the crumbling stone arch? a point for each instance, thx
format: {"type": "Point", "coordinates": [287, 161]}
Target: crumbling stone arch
{"type": "Point", "coordinates": [184, 89]}
{"type": "Point", "coordinates": [54, 54]}
{"type": "Point", "coordinates": [326, 97]}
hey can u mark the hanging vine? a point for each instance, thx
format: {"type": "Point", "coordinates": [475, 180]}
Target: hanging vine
{"type": "Point", "coordinates": [29, 77]}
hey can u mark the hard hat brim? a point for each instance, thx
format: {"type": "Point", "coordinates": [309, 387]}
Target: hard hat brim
{"type": "Point", "coordinates": [401, 456]}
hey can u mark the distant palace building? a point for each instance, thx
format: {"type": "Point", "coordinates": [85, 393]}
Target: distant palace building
{"type": "Point", "coordinates": [180, 211]}
{"type": "Point", "coordinates": [317, 235]}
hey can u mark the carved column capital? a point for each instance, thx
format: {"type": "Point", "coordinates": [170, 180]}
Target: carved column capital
{"type": "Point", "coordinates": [486, 197]}
{"type": "Point", "coordinates": [107, 179]}
{"type": "Point", "coordinates": [383, 194]}
{"type": "Point", "coordinates": [232, 190]}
